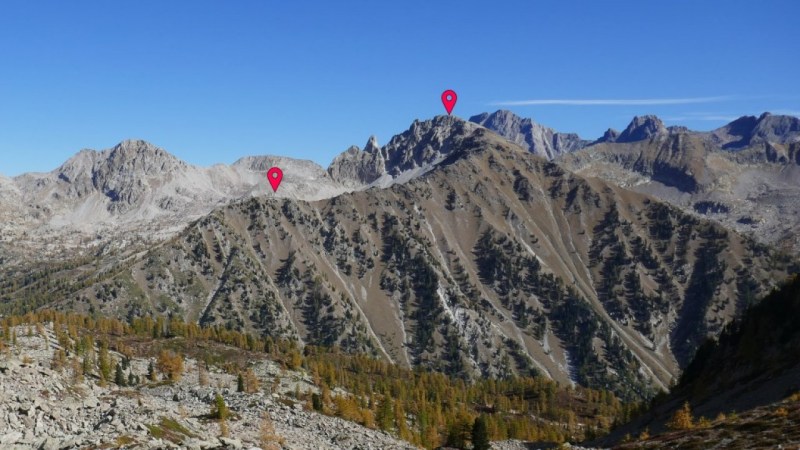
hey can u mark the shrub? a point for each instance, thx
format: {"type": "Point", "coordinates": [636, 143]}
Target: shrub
{"type": "Point", "coordinates": [267, 436]}
{"type": "Point", "coordinates": [202, 374]}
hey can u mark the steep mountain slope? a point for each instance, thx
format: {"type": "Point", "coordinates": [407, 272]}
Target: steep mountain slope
{"type": "Point", "coordinates": [753, 364]}
{"type": "Point", "coordinates": [528, 134]}
{"type": "Point", "coordinates": [136, 191]}
{"type": "Point", "coordinates": [494, 261]}
{"type": "Point", "coordinates": [745, 175]}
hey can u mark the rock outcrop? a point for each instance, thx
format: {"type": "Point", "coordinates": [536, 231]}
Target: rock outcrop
{"type": "Point", "coordinates": [530, 135]}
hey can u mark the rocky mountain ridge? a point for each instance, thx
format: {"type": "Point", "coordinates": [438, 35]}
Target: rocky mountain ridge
{"type": "Point", "coordinates": [748, 130]}
{"type": "Point", "coordinates": [469, 255]}
{"type": "Point", "coordinates": [746, 175]}
{"type": "Point", "coordinates": [536, 138]}
{"type": "Point", "coordinates": [136, 191]}
{"type": "Point", "coordinates": [493, 262]}
{"type": "Point", "coordinates": [407, 155]}
{"type": "Point", "coordinates": [139, 192]}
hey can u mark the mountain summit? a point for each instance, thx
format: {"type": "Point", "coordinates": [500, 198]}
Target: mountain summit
{"type": "Point", "coordinates": [642, 128]}
{"type": "Point", "coordinates": [749, 130]}
{"type": "Point", "coordinates": [413, 152]}
{"type": "Point", "coordinates": [124, 173]}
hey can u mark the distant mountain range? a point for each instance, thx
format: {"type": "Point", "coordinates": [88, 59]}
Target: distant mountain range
{"type": "Point", "coordinates": [743, 175]}
{"type": "Point", "coordinates": [136, 191]}
{"type": "Point", "coordinates": [452, 247]}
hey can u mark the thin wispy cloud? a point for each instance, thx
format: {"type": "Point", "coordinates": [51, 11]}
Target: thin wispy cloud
{"type": "Point", "coordinates": [710, 118]}
{"type": "Point", "coordinates": [614, 102]}
{"type": "Point", "coordinates": [787, 112]}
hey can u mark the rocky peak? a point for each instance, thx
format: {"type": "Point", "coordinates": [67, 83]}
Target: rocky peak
{"type": "Point", "coordinates": [425, 143]}
{"type": "Point", "coordinates": [748, 130]}
{"type": "Point", "coordinates": [79, 166]}
{"type": "Point", "coordinates": [140, 158]}
{"type": "Point", "coordinates": [675, 129]}
{"type": "Point", "coordinates": [123, 172]}
{"type": "Point", "coordinates": [372, 145]}
{"type": "Point", "coordinates": [536, 138]}
{"type": "Point", "coordinates": [610, 135]}
{"type": "Point", "coordinates": [642, 128]}
{"type": "Point", "coordinates": [421, 146]}
{"type": "Point", "coordinates": [302, 168]}
{"type": "Point", "coordinates": [777, 128]}
{"type": "Point", "coordinates": [358, 167]}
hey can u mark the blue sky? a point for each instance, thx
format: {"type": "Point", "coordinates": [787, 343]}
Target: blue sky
{"type": "Point", "coordinates": [211, 81]}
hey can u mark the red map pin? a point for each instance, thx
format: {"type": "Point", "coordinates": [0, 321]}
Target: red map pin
{"type": "Point", "coordinates": [449, 99]}
{"type": "Point", "coordinates": [275, 175]}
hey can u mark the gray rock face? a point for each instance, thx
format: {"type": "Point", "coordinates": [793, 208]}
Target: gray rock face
{"type": "Point", "coordinates": [141, 191]}
{"type": "Point", "coordinates": [610, 135]}
{"type": "Point", "coordinates": [425, 143]}
{"type": "Point", "coordinates": [538, 139]}
{"type": "Point", "coordinates": [743, 174]}
{"type": "Point", "coordinates": [749, 130]}
{"type": "Point", "coordinates": [358, 166]}
{"type": "Point", "coordinates": [124, 174]}
{"type": "Point", "coordinates": [309, 169]}
{"type": "Point", "coordinates": [642, 128]}
{"type": "Point", "coordinates": [412, 152]}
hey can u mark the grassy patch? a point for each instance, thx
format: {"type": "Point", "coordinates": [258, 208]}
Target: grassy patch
{"type": "Point", "coordinates": [125, 440]}
{"type": "Point", "coordinates": [170, 429]}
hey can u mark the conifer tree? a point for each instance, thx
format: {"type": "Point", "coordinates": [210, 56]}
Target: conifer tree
{"type": "Point", "coordinates": [682, 419]}
{"type": "Point", "coordinates": [170, 364]}
{"type": "Point", "coordinates": [119, 377]}
{"type": "Point", "coordinates": [220, 409]}
{"type": "Point", "coordinates": [480, 435]}
{"type": "Point", "coordinates": [104, 362]}
{"type": "Point", "coordinates": [151, 372]}
{"type": "Point", "coordinates": [252, 384]}
{"type": "Point", "coordinates": [385, 417]}
{"type": "Point", "coordinates": [87, 365]}
{"type": "Point", "coordinates": [316, 402]}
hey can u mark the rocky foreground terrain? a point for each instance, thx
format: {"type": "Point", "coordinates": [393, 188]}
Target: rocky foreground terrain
{"type": "Point", "coordinates": [42, 408]}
